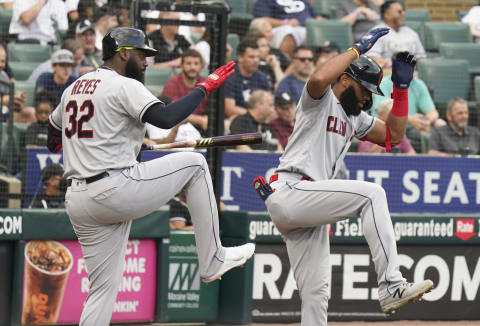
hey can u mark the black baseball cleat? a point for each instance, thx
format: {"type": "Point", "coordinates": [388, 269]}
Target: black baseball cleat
{"type": "Point", "coordinates": [262, 187]}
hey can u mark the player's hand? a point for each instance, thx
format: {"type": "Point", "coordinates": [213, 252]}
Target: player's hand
{"type": "Point", "coordinates": [403, 64]}
{"type": "Point", "coordinates": [369, 39]}
{"type": "Point", "coordinates": [216, 78]}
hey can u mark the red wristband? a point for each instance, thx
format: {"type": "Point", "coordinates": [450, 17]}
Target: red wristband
{"type": "Point", "coordinates": [400, 102]}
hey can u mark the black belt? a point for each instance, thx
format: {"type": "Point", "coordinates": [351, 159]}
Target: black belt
{"type": "Point", "coordinates": [91, 179]}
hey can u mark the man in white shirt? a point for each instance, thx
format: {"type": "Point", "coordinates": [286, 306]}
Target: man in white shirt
{"type": "Point", "coordinates": [105, 20]}
{"type": "Point", "coordinates": [472, 18]}
{"type": "Point", "coordinates": [400, 38]}
{"type": "Point", "coordinates": [35, 21]}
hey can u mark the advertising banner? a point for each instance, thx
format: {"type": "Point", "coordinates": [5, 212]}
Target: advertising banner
{"type": "Point", "coordinates": [454, 269]}
{"type": "Point", "coordinates": [56, 283]}
{"type": "Point", "coordinates": [414, 184]}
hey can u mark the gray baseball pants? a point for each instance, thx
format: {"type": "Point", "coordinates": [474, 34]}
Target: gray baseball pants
{"type": "Point", "coordinates": [102, 212]}
{"type": "Point", "coordinates": [302, 210]}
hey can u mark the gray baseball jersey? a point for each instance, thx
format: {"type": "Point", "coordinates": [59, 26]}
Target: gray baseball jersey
{"type": "Point", "coordinates": [102, 118]}
{"type": "Point", "coordinates": [322, 135]}
{"type": "Point", "coordinates": [302, 210]}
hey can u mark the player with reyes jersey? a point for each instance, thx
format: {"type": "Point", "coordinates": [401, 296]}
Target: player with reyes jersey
{"type": "Point", "coordinates": [100, 123]}
{"type": "Point", "coordinates": [303, 198]}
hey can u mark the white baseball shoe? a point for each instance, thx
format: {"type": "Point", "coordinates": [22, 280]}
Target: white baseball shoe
{"type": "Point", "coordinates": [405, 293]}
{"type": "Point", "coordinates": [234, 257]}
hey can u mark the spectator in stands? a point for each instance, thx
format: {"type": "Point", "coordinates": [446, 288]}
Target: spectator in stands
{"type": "Point", "coordinates": [363, 15]}
{"type": "Point", "coordinates": [54, 188]}
{"type": "Point", "coordinates": [56, 82]}
{"type": "Point", "coordinates": [184, 82]}
{"type": "Point", "coordinates": [85, 33]}
{"type": "Point", "coordinates": [6, 4]}
{"type": "Point", "coordinates": [35, 21]}
{"type": "Point", "coordinates": [457, 137]}
{"type": "Point", "coordinates": [269, 63]}
{"type": "Point", "coordinates": [302, 69]}
{"type": "Point", "coordinates": [282, 127]}
{"type": "Point", "coordinates": [74, 46]}
{"type": "Point", "coordinates": [472, 18]}
{"type": "Point", "coordinates": [205, 44]}
{"type": "Point", "coordinates": [325, 52]}
{"type": "Point", "coordinates": [288, 21]}
{"type": "Point", "coordinates": [368, 147]}
{"type": "Point", "coordinates": [105, 19]}
{"type": "Point", "coordinates": [422, 114]}
{"type": "Point", "coordinates": [260, 110]}
{"type": "Point", "coordinates": [169, 43]}
{"type": "Point", "coordinates": [180, 218]}
{"type": "Point", "coordinates": [245, 80]}
{"type": "Point", "coordinates": [37, 132]}
{"type": "Point", "coordinates": [400, 37]}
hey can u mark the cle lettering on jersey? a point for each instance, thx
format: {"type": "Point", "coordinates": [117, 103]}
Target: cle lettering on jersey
{"type": "Point", "coordinates": [85, 86]}
{"type": "Point", "coordinates": [336, 125]}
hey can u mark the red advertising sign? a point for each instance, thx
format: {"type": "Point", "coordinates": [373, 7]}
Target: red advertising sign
{"type": "Point", "coordinates": [56, 283]}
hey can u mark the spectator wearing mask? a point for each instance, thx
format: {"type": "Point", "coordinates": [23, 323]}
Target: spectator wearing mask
{"type": "Point", "coordinates": [368, 147]}
{"type": "Point", "coordinates": [37, 132]}
{"type": "Point", "coordinates": [57, 81]}
{"type": "Point", "coordinates": [363, 15]}
{"type": "Point", "coordinates": [246, 79]}
{"type": "Point", "coordinates": [35, 21]}
{"type": "Point", "coordinates": [260, 112]}
{"type": "Point", "coordinates": [282, 127]}
{"type": "Point", "coordinates": [457, 137]}
{"type": "Point", "coordinates": [400, 38]}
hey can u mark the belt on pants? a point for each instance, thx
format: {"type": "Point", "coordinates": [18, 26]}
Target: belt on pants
{"type": "Point", "coordinates": [274, 178]}
{"type": "Point", "coordinates": [91, 179]}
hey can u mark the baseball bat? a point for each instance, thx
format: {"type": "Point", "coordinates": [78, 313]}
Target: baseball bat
{"type": "Point", "coordinates": [230, 140]}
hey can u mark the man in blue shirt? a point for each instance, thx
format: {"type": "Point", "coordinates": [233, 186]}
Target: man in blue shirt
{"type": "Point", "coordinates": [302, 69]}
{"type": "Point", "coordinates": [288, 21]}
{"type": "Point", "coordinates": [245, 80]}
{"type": "Point", "coordinates": [57, 81]}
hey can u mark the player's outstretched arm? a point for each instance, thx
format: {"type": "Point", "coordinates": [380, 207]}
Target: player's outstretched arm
{"type": "Point", "coordinates": [167, 116]}
{"type": "Point", "coordinates": [393, 131]}
{"type": "Point", "coordinates": [322, 78]}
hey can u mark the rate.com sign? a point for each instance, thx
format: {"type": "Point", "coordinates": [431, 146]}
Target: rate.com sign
{"type": "Point", "coordinates": [455, 270]}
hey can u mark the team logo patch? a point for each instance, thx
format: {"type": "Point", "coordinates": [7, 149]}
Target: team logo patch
{"type": "Point", "coordinates": [465, 228]}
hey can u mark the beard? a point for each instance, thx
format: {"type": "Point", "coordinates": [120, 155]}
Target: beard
{"type": "Point", "coordinates": [133, 71]}
{"type": "Point", "coordinates": [349, 102]}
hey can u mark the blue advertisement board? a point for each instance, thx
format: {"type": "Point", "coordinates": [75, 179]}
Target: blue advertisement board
{"type": "Point", "coordinates": [414, 184]}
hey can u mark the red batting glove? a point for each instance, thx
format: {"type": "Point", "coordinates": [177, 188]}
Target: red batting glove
{"type": "Point", "coordinates": [216, 78]}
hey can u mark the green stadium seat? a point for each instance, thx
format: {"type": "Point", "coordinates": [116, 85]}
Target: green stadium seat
{"type": "Point", "coordinates": [22, 70]}
{"type": "Point", "coordinates": [418, 27]}
{"type": "Point", "coordinates": [239, 9]}
{"type": "Point", "coordinates": [28, 52]}
{"type": "Point", "coordinates": [447, 77]}
{"type": "Point", "coordinates": [321, 7]}
{"type": "Point", "coordinates": [419, 15]}
{"type": "Point", "coordinates": [436, 33]}
{"type": "Point", "coordinates": [330, 7]}
{"type": "Point", "coordinates": [155, 89]}
{"type": "Point", "coordinates": [29, 89]}
{"type": "Point", "coordinates": [233, 39]}
{"type": "Point", "coordinates": [158, 76]}
{"type": "Point", "coordinates": [467, 51]}
{"type": "Point", "coordinates": [319, 31]}
{"type": "Point", "coordinates": [5, 18]}
{"type": "Point", "coordinates": [18, 148]}
{"type": "Point", "coordinates": [477, 90]}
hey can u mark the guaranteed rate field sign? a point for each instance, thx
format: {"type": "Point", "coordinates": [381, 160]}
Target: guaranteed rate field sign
{"type": "Point", "coordinates": [56, 294]}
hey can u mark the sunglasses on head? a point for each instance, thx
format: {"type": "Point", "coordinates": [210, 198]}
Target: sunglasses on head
{"type": "Point", "coordinates": [304, 59]}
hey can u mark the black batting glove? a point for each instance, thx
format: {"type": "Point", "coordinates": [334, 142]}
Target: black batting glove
{"type": "Point", "coordinates": [403, 65]}
{"type": "Point", "coordinates": [369, 39]}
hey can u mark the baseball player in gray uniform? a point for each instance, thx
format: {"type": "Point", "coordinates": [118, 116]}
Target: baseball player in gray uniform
{"type": "Point", "coordinates": [100, 123]}
{"type": "Point", "coordinates": [304, 197]}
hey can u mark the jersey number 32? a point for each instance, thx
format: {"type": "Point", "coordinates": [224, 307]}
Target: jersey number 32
{"type": "Point", "coordinates": [75, 123]}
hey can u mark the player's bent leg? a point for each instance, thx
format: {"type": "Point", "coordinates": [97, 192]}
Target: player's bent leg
{"type": "Point", "coordinates": [308, 252]}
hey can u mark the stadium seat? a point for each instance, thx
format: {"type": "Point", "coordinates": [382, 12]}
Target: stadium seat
{"type": "Point", "coordinates": [447, 77]}
{"type": "Point", "coordinates": [22, 70]}
{"type": "Point", "coordinates": [467, 51]}
{"type": "Point", "coordinates": [418, 27]}
{"type": "Point", "coordinates": [330, 7]}
{"type": "Point", "coordinates": [29, 89]}
{"type": "Point", "coordinates": [12, 147]}
{"type": "Point", "coordinates": [321, 7]}
{"type": "Point", "coordinates": [155, 89]}
{"type": "Point", "coordinates": [477, 89]}
{"type": "Point", "coordinates": [436, 33]}
{"type": "Point", "coordinates": [233, 39]}
{"type": "Point", "coordinates": [5, 18]}
{"type": "Point", "coordinates": [319, 31]}
{"type": "Point", "coordinates": [28, 52]}
{"type": "Point", "coordinates": [419, 15]}
{"type": "Point", "coordinates": [157, 76]}
{"type": "Point", "coordinates": [239, 9]}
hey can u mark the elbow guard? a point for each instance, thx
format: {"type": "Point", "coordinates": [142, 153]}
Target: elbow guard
{"type": "Point", "coordinates": [54, 142]}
